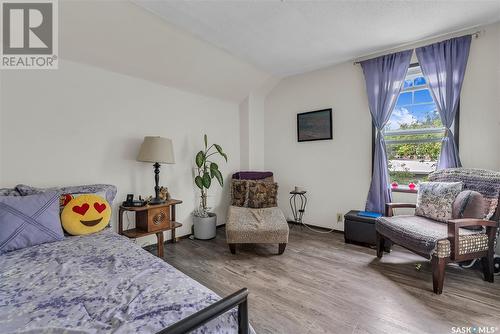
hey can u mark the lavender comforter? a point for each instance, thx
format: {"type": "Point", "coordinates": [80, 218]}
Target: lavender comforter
{"type": "Point", "coordinates": [99, 283]}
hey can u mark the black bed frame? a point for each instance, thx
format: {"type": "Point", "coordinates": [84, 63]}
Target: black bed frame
{"type": "Point", "coordinates": [239, 298]}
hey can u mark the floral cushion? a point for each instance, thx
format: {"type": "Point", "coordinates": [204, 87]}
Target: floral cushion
{"type": "Point", "coordinates": [239, 193]}
{"type": "Point", "coordinates": [435, 199]}
{"type": "Point", "coordinates": [262, 194]}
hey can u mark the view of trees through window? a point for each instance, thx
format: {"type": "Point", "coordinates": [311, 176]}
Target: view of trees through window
{"type": "Point", "coordinates": [414, 132]}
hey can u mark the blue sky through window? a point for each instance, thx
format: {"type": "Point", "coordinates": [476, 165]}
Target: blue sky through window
{"type": "Point", "coordinates": [414, 103]}
{"type": "Point", "coordinates": [422, 96]}
{"type": "Point", "coordinates": [413, 151]}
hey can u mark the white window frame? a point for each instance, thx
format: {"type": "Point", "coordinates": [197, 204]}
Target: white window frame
{"type": "Point", "coordinates": [387, 133]}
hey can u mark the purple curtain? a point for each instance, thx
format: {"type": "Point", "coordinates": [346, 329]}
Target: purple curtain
{"type": "Point", "coordinates": [384, 77]}
{"type": "Point", "coordinates": [443, 65]}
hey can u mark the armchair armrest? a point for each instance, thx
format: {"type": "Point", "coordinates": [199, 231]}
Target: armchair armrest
{"type": "Point", "coordinates": [455, 224]}
{"type": "Point", "coordinates": [389, 207]}
{"type": "Point", "coordinates": [471, 222]}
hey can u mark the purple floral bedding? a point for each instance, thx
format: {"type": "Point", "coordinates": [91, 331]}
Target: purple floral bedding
{"type": "Point", "coordinates": [98, 283]}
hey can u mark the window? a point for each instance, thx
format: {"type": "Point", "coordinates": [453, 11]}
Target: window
{"type": "Point", "coordinates": [414, 132]}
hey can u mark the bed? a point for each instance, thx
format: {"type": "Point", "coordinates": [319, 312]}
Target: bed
{"type": "Point", "coordinates": [103, 283]}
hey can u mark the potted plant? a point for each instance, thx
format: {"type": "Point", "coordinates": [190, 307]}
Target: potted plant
{"type": "Point", "coordinates": [205, 221]}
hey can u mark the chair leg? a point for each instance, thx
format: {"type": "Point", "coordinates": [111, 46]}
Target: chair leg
{"type": "Point", "coordinates": [438, 266]}
{"type": "Point", "coordinates": [232, 248]}
{"type": "Point", "coordinates": [281, 248]}
{"type": "Point", "coordinates": [488, 264]}
{"type": "Point", "coordinates": [380, 245]}
{"type": "Point", "coordinates": [387, 245]}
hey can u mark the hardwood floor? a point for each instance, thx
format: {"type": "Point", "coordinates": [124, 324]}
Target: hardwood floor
{"type": "Point", "coordinates": [322, 285]}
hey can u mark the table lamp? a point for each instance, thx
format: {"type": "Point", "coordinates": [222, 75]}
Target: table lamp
{"type": "Point", "coordinates": [157, 150]}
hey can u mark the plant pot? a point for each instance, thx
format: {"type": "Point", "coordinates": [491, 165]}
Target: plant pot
{"type": "Point", "coordinates": [204, 227]}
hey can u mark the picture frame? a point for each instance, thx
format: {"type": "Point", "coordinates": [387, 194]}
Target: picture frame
{"type": "Point", "coordinates": [315, 125]}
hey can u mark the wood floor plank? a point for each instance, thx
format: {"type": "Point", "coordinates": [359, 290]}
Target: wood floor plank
{"type": "Point", "coordinates": [322, 285]}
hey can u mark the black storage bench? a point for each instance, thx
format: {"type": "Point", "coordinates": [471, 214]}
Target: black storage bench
{"type": "Point", "coordinates": [360, 230]}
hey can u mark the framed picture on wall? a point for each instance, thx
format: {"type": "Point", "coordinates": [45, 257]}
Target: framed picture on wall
{"type": "Point", "coordinates": [314, 125]}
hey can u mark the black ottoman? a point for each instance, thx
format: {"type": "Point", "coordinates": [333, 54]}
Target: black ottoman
{"type": "Point", "coordinates": [360, 230]}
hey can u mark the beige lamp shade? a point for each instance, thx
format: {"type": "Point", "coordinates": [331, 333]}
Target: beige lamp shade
{"type": "Point", "coordinates": [156, 149]}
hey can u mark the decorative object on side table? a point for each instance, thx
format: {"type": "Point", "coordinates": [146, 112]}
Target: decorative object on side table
{"type": "Point", "coordinates": [156, 150]}
{"type": "Point", "coordinates": [204, 221]}
{"type": "Point", "coordinates": [130, 202]}
{"type": "Point", "coordinates": [298, 194]}
{"type": "Point", "coordinates": [164, 194]}
{"type": "Point", "coordinates": [151, 219]}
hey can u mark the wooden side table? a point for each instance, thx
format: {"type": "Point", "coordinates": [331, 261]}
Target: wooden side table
{"type": "Point", "coordinates": [153, 219]}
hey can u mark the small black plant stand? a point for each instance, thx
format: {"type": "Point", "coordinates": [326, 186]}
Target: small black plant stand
{"type": "Point", "coordinates": [298, 210]}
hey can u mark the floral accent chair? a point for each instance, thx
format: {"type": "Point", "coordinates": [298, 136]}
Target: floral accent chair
{"type": "Point", "coordinates": [439, 230]}
{"type": "Point", "coordinates": [254, 216]}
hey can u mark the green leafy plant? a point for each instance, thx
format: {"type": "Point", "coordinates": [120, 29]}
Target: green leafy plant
{"type": "Point", "coordinates": [401, 177]}
{"type": "Point", "coordinates": [417, 151]}
{"type": "Point", "coordinates": [207, 171]}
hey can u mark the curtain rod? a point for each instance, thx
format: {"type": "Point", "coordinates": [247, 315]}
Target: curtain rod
{"type": "Point", "coordinates": [475, 34]}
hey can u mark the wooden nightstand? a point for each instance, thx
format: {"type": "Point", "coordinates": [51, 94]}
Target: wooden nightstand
{"type": "Point", "coordinates": [151, 219]}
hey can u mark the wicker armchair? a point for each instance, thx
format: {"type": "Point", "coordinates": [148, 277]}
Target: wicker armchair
{"type": "Point", "coordinates": [451, 242]}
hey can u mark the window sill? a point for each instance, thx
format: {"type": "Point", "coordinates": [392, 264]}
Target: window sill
{"type": "Point", "coordinates": [404, 189]}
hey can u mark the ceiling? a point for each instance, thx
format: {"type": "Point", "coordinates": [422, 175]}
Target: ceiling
{"type": "Point", "coordinates": [290, 37]}
{"type": "Point", "coordinates": [122, 37]}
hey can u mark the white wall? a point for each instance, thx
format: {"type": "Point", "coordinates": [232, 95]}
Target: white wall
{"type": "Point", "coordinates": [336, 173]}
{"type": "Point", "coordinates": [244, 111]}
{"type": "Point", "coordinates": [252, 139]}
{"type": "Point", "coordinates": [256, 131]}
{"type": "Point", "coordinates": [81, 124]}
{"type": "Point", "coordinates": [480, 103]}
{"type": "Point", "coordinates": [133, 41]}
{"type": "Point", "coordinates": [252, 132]}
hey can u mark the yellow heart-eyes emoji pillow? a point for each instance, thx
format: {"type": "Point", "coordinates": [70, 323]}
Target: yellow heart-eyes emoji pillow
{"type": "Point", "coordinates": [85, 214]}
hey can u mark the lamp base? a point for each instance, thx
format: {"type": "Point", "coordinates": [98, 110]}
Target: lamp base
{"type": "Point", "coordinates": [156, 201]}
